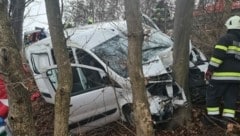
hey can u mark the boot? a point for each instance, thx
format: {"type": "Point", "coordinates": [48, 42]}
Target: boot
{"type": "Point", "coordinates": [219, 121]}
{"type": "Point", "coordinates": [230, 120]}
{"type": "Point", "coordinates": [210, 120]}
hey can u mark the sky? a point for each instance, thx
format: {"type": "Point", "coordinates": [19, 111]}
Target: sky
{"type": "Point", "coordinates": [35, 15]}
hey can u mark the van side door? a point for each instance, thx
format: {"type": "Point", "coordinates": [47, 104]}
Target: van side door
{"type": "Point", "coordinates": [91, 98]}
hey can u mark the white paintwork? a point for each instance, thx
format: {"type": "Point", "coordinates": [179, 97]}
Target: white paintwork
{"type": "Point", "coordinates": [100, 100]}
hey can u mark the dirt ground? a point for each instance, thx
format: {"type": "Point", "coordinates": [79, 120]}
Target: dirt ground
{"type": "Point", "coordinates": [43, 114]}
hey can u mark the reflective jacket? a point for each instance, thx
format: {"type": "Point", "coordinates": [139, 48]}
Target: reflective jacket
{"type": "Point", "coordinates": [225, 61]}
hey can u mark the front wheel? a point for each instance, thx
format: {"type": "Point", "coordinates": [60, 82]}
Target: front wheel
{"type": "Point", "coordinates": [128, 114]}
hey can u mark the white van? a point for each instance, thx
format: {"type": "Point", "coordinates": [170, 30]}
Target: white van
{"type": "Point", "coordinates": [101, 88]}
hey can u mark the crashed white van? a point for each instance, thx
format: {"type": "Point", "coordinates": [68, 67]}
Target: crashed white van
{"type": "Point", "coordinates": [101, 89]}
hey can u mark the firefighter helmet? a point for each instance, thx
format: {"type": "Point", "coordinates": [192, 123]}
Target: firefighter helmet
{"type": "Point", "coordinates": [233, 22]}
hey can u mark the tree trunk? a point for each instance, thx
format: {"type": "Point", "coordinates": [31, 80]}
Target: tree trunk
{"type": "Point", "coordinates": [182, 30]}
{"type": "Point", "coordinates": [20, 113]}
{"type": "Point", "coordinates": [62, 98]}
{"type": "Point", "coordinates": [17, 8]}
{"type": "Point", "coordinates": [141, 110]}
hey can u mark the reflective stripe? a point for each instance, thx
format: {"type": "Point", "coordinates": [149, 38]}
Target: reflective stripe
{"type": "Point", "coordinates": [235, 48]}
{"type": "Point", "coordinates": [221, 47]}
{"type": "Point", "coordinates": [230, 49]}
{"type": "Point", "coordinates": [213, 64]}
{"type": "Point", "coordinates": [226, 78]}
{"type": "Point", "coordinates": [229, 111]}
{"type": "Point", "coordinates": [215, 60]}
{"type": "Point", "coordinates": [228, 115]}
{"type": "Point", "coordinates": [227, 74]}
{"type": "Point", "coordinates": [212, 108]}
{"type": "Point", "coordinates": [233, 52]}
{"type": "Point", "coordinates": [213, 111]}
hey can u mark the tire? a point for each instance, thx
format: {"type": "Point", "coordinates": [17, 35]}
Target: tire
{"type": "Point", "coordinates": [128, 114]}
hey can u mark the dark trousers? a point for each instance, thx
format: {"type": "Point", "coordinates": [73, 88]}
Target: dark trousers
{"type": "Point", "coordinates": [228, 92]}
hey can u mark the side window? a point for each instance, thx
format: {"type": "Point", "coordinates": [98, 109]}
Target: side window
{"type": "Point", "coordinates": [39, 61]}
{"type": "Point", "coordinates": [93, 77]}
{"type": "Point", "coordinates": [52, 76]}
{"type": "Point", "coordinates": [70, 53]}
{"type": "Point", "coordinates": [86, 59]}
{"type": "Point", "coordinates": [84, 80]}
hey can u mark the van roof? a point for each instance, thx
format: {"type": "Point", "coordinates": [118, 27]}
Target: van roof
{"type": "Point", "coordinates": [92, 35]}
{"type": "Point", "coordinates": [89, 36]}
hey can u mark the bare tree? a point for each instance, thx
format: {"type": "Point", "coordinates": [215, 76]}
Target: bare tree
{"type": "Point", "coordinates": [62, 98]}
{"type": "Point", "coordinates": [182, 30]}
{"type": "Point", "coordinates": [141, 110]}
{"type": "Point", "coordinates": [20, 113]}
{"type": "Point", "coordinates": [80, 11]}
{"type": "Point", "coordinates": [16, 13]}
{"type": "Point", "coordinates": [208, 25]}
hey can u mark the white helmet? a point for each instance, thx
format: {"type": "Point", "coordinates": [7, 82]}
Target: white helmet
{"type": "Point", "coordinates": [233, 22]}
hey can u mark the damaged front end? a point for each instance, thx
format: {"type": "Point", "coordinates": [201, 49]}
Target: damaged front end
{"type": "Point", "coordinates": [164, 94]}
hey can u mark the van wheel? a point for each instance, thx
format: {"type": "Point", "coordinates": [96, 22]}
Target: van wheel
{"type": "Point", "coordinates": [128, 114]}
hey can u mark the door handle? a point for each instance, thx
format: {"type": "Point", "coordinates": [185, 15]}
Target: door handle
{"type": "Point", "coordinates": [70, 105]}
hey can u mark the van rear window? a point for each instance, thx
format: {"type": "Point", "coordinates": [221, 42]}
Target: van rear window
{"type": "Point", "coordinates": [40, 62]}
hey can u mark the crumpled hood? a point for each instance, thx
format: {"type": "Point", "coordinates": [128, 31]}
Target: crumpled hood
{"type": "Point", "coordinates": [154, 67]}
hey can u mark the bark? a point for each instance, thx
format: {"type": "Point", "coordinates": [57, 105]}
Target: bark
{"type": "Point", "coordinates": [62, 98]}
{"type": "Point", "coordinates": [143, 121]}
{"type": "Point", "coordinates": [182, 30]}
{"type": "Point", "coordinates": [17, 8]}
{"type": "Point", "coordinates": [20, 111]}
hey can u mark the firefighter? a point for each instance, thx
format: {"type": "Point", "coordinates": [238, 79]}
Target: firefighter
{"type": "Point", "coordinates": [223, 73]}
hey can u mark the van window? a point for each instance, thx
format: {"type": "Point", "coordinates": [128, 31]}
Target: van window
{"type": "Point", "coordinates": [86, 59]}
{"type": "Point", "coordinates": [70, 53]}
{"type": "Point", "coordinates": [84, 80]}
{"type": "Point", "coordinates": [40, 62]}
{"type": "Point", "coordinates": [114, 51]}
{"type": "Point", "coordinates": [52, 76]}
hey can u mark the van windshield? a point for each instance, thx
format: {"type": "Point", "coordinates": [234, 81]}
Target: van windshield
{"type": "Point", "coordinates": [114, 51]}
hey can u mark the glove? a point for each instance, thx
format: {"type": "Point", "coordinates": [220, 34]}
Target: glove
{"type": "Point", "coordinates": [35, 95]}
{"type": "Point", "coordinates": [208, 75]}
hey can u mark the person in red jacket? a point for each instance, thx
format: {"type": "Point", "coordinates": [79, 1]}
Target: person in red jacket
{"type": "Point", "coordinates": [3, 110]}
{"type": "Point", "coordinates": [3, 107]}
{"type": "Point", "coordinates": [3, 95]}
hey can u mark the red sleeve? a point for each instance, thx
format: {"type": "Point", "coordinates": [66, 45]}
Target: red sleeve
{"type": "Point", "coordinates": [3, 110]}
{"type": "Point", "coordinates": [3, 91]}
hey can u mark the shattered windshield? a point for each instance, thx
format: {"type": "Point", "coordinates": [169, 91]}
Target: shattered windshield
{"type": "Point", "coordinates": [114, 51]}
